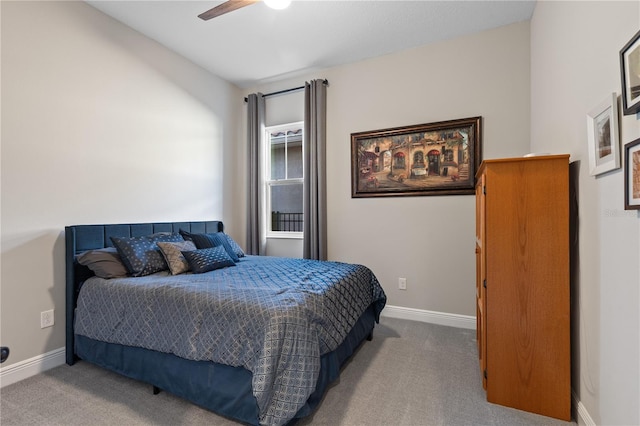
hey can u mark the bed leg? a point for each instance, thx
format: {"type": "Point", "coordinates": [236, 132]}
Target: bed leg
{"type": "Point", "coordinates": [370, 336]}
{"type": "Point", "coordinates": [156, 390]}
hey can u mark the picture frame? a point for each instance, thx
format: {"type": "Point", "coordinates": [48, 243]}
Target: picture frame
{"type": "Point", "coordinates": [632, 175]}
{"type": "Point", "coordinates": [603, 136]}
{"type": "Point", "coordinates": [630, 75]}
{"type": "Point", "coordinates": [439, 158]}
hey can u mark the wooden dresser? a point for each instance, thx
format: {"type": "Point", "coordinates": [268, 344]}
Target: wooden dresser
{"type": "Point", "coordinates": [522, 283]}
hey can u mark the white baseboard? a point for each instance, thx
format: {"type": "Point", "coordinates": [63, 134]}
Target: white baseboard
{"type": "Point", "coordinates": [433, 317]}
{"type": "Point", "coordinates": [580, 412]}
{"type": "Point", "coordinates": [30, 367]}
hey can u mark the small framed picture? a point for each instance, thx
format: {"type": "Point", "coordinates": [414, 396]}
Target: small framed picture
{"type": "Point", "coordinates": [602, 136]}
{"type": "Point", "coordinates": [632, 175]}
{"type": "Point", "coordinates": [630, 75]}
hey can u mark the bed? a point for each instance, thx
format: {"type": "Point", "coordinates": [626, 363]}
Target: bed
{"type": "Point", "coordinates": [258, 340]}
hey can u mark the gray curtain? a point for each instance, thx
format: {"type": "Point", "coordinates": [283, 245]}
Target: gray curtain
{"type": "Point", "coordinates": [315, 190]}
{"type": "Point", "coordinates": [255, 134]}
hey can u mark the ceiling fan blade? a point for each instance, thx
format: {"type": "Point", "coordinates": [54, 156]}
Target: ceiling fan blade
{"type": "Point", "coordinates": [226, 7]}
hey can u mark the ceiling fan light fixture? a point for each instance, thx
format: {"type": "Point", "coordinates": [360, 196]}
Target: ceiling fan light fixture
{"type": "Point", "coordinates": [277, 4]}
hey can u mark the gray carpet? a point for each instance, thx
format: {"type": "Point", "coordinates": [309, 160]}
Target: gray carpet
{"type": "Point", "coordinates": [412, 373]}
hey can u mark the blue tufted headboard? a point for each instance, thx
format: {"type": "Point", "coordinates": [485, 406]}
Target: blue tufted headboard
{"type": "Point", "coordinates": [80, 238]}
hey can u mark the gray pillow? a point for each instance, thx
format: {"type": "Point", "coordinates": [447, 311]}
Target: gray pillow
{"type": "Point", "coordinates": [105, 263]}
{"type": "Point", "coordinates": [172, 253]}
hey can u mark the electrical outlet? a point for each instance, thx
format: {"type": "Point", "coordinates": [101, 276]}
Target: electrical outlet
{"type": "Point", "coordinates": [402, 283]}
{"type": "Point", "coordinates": [46, 319]}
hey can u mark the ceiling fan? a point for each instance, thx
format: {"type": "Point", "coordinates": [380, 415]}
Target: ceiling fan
{"type": "Point", "coordinates": [231, 5]}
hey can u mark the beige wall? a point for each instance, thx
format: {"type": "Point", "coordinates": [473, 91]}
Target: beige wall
{"type": "Point", "coordinates": [485, 74]}
{"type": "Point", "coordinates": [99, 125]}
{"type": "Point", "coordinates": [574, 66]}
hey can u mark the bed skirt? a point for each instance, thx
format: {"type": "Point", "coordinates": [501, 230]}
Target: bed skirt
{"type": "Point", "coordinates": [220, 388]}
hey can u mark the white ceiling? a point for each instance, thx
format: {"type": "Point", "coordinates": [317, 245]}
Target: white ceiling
{"type": "Point", "coordinates": [256, 44]}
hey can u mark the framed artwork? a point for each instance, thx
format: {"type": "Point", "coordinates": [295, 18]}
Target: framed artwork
{"type": "Point", "coordinates": [630, 75]}
{"type": "Point", "coordinates": [632, 175]}
{"type": "Point", "coordinates": [424, 159]}
{"type": "Point", "coordinates": [602, 136]}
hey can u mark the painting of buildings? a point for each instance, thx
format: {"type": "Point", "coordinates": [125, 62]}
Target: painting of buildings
{"type": "Point", "coordinates": [415, 161]}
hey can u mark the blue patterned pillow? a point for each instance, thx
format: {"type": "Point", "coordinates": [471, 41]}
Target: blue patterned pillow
{"type": "Point", "coordinates": [141, 255]}
{"type": "Point", "coordinates": [208, 259]}
{"type": "Point", "coordinates": [234, 246]}
{"type": "Point", "coordinates": [211, 240]}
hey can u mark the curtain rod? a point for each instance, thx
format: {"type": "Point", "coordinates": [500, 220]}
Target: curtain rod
{"type": "Point", "coordinates": [279, 92]}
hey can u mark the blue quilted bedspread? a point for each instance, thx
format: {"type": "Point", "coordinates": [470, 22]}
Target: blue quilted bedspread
{"type": "Point", "coordinates": [272, 316]}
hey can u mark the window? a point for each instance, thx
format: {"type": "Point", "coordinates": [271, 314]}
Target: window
{"type": "Point", "coordinates": [283, 180]}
